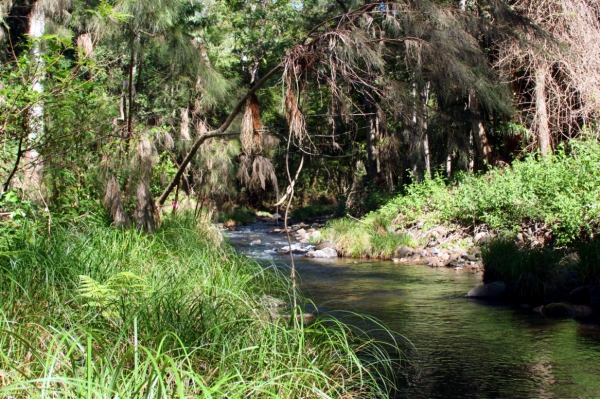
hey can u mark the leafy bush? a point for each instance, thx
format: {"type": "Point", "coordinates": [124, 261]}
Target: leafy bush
{"type": "Point", "coordinates": [560, 192]}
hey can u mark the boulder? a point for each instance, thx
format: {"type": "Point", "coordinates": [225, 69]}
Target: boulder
{"type": "Point", "coordinates": [482, 238]}
{"type": "Point", "coordinates": [325, 244]}
{"type": "Point", "coordinates": [404, 252]}
{"type": "Point", "coordinates": [595, 297]}
{"type": "Point", "coordinates": [565, 309]}
{"type": "Point", "coordinates": [301, 231]}
{"type": "Point", "coordinates": [295, 249]}
{"type": "Point", "coordinates": [491, 290]}
{"type": "Point", "coordinates": [256, 242]}
{"type": "Point", "coordinates": [580, 296]}
{"type": "Point", "coordinates": [325, 253]}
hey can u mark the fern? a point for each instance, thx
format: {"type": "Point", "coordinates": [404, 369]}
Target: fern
{"type": "Point", "coordinates": [122, 291]}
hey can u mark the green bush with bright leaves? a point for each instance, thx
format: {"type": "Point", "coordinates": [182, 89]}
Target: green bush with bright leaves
{"type": "Point", "coordinates": [560, 192]}
{"type": "Point", "coordinates": [95, 312]}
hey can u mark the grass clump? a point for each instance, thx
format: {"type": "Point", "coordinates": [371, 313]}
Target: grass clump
{"type": "Point", "coordinates": [588, 262]}
{"type": "Point", "coordinates": [311, 211]}
{"type": "Point", "coordinates": [368, 239]}
{"type": "Point", "coordinates": [529, 273]}
{"type": "Point", "coordinates": [239, 216]}
{"type": "Point", "coordinates": [95, 312]}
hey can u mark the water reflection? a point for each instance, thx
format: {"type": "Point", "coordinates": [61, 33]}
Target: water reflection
{"type": "Point", "coordinates": [461, 348]}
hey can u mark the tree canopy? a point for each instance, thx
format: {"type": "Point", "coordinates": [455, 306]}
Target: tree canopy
{"type": "Point", "coordinates": [132, 102]}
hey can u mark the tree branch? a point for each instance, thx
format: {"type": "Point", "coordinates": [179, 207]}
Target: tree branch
{"type": "Point", "coordinates": [219, 132]}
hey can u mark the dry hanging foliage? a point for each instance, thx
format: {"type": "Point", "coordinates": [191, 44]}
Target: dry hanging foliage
{"type": "Point", "coordinates": [251, 135]}
{"type": "Point", "coordinates": [256, 171]}
{"type": "Point", "coordinates": [113, 202]}
{"type": "Point", "coordinates": [559, 90]}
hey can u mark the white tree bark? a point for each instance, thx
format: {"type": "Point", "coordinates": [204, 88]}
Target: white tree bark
{"type": "Point", "coordinates": [541, 110]}
{"type": "Point", "coordinates": [35, 123]}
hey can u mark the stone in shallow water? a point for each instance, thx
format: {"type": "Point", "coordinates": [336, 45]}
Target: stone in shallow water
{"type": "Point", "coordinates": [491, 290]}
{"type": "Point", "coordinates": [323, 253]}
{"type": "Point", "coordinates": [325, 244]}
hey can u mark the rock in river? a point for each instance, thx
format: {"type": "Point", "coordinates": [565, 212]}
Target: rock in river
{"type": "Point", "coordinates": [326, 253]}
{"type": "Point", "coordinates": [491, 290]}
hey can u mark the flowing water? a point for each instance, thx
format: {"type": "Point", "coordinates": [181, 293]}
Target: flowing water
{"type": "Point", "coordinates": [460, 347]}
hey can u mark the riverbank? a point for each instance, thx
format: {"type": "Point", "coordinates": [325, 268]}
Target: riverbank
{"type": "Point", "coordinates": [92, 311]}
{"type": "Point", "coordinates": [532, 226]}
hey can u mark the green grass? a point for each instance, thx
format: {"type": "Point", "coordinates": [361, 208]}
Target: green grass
{"type": "Point", "coordinates": [588, 265]}
{"type": "Point", "coordinates": [360, 240]}
{"type": "Point", "coordinates": [94, 312]}
{"type": "Point", "coordinates": [529, 273]}
{"type": "Point", "coordinates": [312, 211]}
{"type": "Point", "coordinates": [240, 216]}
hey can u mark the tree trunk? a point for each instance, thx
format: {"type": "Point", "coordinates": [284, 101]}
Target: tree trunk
{"type": "Point", "coordinates": [35, 118]}
{"type": "Point", "coordinates": [145, 214]}
{"type": "Point", "coordinates": [424, 116]}
{"type": "Point", "coordinates": [541, 110]}
{"type": "Point", "coordinates": [372, 136]}
{"type": "Point", "coordinates": [113, 202]}
{"type": "Point", "coordinates": [479, 135]}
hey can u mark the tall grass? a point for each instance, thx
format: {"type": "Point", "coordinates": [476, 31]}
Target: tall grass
{"type": "Point", "coordinates": [94, 312]}
{"type": "Point", "coordinates": [366, 239]}
{"type": "Point", "coordinates": [529, 273]}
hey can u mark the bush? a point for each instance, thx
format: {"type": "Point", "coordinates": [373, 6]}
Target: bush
{"type": "Point", "coordinates": [312, 211]}
{"type": "Point", "coordinates": [560, 193]}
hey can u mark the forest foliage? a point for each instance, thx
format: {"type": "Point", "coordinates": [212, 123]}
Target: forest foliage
{"type": "Point", "coordinates": [140, 104]}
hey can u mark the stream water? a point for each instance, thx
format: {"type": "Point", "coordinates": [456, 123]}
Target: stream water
{"type": "Point", "coordinates": [460, 348]}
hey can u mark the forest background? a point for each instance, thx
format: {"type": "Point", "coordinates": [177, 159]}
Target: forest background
{"type": "Point", "coordinates": [130, 101]}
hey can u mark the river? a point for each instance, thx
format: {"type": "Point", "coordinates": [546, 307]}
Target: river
{"type": "Point", "coordinates": [459, 348]}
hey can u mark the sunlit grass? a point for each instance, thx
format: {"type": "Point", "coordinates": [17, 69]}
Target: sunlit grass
{"type": "Point", "coordinates": [174, 314]}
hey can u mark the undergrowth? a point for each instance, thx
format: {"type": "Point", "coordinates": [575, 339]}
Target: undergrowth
{"type": "Point", "coordinates": [558, 195]}
{"type": "Point", "coordinates": [95, 312]}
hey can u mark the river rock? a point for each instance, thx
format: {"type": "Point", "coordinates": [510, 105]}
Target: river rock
{"type": "Point", "coordinates": [325, 253]}
{"type": "Point", "coordinates": [295, 249]}
{"type": "Point", "coordinates": [325, 244]}
{"type": "Point", "coordinates": [301, 231]}
{"type": "Point", "coordinates": [315, 234]}
{"type": "Point", "coordinates": [565, 309]}
{"type": "Point", "coordinates": [256, 242]}
{"type": "Point", "coordinates": [580, 296]}
{"type": "Point", "coordinates": [470, 257]}
{"type": "Point", "coordinates": [404, 252]}
{"type": "Point", "coordinates": [482, 238]}
{"type": "Point", "coordinates": [491, 290]}
{"type": "Point", "coordinates": [595, 297]}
